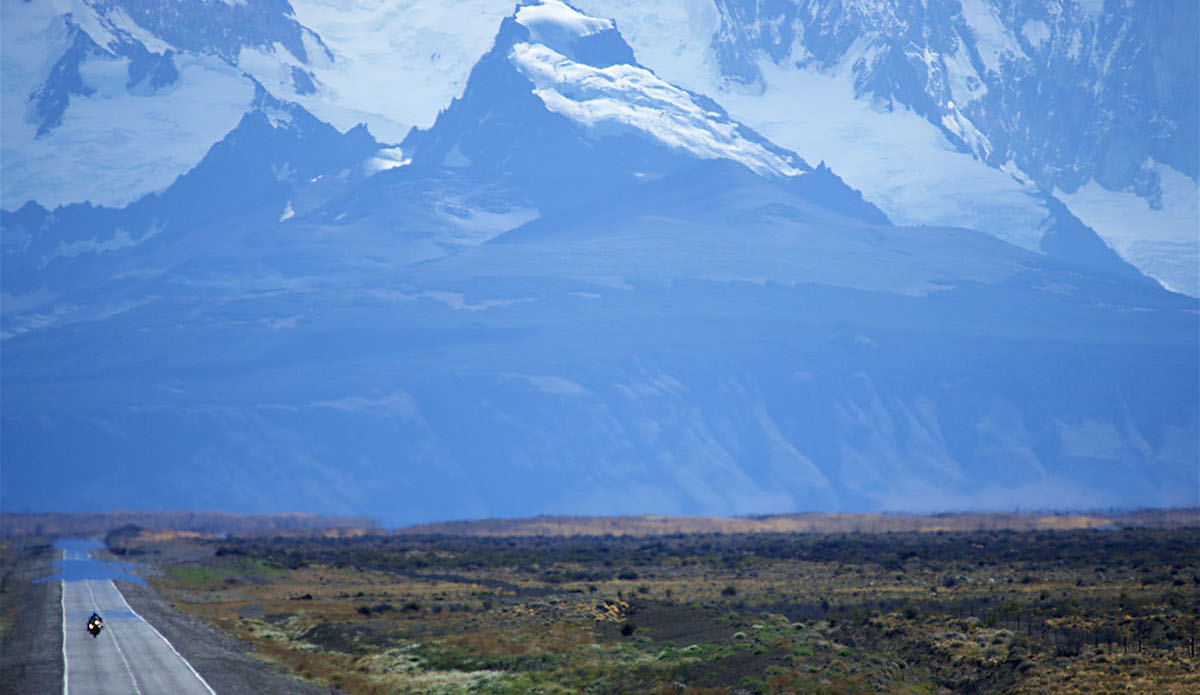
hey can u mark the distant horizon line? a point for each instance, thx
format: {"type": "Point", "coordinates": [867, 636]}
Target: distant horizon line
{"type": "Point", "coordinates": [222, 522]}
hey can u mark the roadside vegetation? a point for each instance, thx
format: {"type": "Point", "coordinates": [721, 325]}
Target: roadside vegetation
{"type": "Point", "coordinates": [990, 611]}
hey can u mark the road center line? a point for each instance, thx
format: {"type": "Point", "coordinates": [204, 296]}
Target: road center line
{"type": "Point", "coordinates": [113, 636]}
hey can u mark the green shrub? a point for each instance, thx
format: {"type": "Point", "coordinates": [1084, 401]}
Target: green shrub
{"type": "Point", "coordinates": [193, 574]}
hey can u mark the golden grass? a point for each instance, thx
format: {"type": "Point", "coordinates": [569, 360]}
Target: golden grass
{"type": "Point", "coordinates": [652, 525]}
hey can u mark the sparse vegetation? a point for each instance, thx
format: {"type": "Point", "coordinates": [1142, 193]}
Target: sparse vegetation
{"type": "Point", "coordinates": [991, 611]}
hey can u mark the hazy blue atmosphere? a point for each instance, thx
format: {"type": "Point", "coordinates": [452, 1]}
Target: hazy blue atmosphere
{"type": "Point", "coordinates": [76, 565]}
{"type": "Point", "coordinates": [442, 263]}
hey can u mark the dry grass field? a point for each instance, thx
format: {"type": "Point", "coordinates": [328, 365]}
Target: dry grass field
{"type": "Point", "coordinates": [652, 525]}
{"type": "Point", "coordinates": [1076, 610]}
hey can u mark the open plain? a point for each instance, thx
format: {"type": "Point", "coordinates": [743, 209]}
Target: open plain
{"type": "Point", "coordinates": [1068, 606]}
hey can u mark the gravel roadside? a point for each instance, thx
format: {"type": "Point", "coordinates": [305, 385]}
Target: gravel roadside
{"type": "Point", "coordinates": [224, 662]}
{"type": "Point", "coordinates": [31, 639]}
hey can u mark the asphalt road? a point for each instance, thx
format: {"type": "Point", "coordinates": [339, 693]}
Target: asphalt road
{"type": "Point", "coordinates": [129, 656]}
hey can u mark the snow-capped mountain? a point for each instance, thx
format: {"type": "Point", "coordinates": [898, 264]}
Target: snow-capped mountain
{"type": "Point", "coordinates": [105, 102]}
{"type": "Point", "coordinates": [581, 288]}
{"type": "Point", "coordinates": [1004, 81]}
{"type": "Point", "coordinates": [968, 113]}
{"type": "Point", "coordinates": [555, 113]}
{"type": "Point", "coordinates": [278, 160]}
{"type": "Point", "coordinates": [581, 69]}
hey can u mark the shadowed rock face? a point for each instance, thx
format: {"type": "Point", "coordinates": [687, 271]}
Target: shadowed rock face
{"type": "Point", "coordinates": [50, 100]}
{"type": "Point", "coordinates": [525, 313]}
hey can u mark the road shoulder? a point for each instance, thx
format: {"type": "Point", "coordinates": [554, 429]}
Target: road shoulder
{"type": "Point", "coordinates": [30, 621]}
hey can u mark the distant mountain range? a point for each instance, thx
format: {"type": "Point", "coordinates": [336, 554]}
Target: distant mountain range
{"type": "Point", "coordinates": [970, 113]}
{"type": "Point", "coordinates": [581, 289]}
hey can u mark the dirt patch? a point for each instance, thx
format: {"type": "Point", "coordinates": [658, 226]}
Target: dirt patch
{"type": "Point", "coordinates": [682, 625]}
{"type": "Point", "coordinates": [727, 670]}
{"type": "Point", "coordinates": [357, 638]}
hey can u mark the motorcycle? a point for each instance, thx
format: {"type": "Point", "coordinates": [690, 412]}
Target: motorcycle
{"type": "Point", "coordinates": [94, 625]}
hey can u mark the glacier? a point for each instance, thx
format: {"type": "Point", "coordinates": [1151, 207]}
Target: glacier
{"type": "Point", "coordinates": [924, 108]}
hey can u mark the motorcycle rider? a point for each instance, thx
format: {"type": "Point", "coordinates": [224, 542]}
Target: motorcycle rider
{"type": "Point", "coordinates": [95, 624]}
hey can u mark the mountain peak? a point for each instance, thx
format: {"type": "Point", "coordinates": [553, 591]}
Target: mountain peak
{"type": "Point", "coordinates": [556, 84]}
{"type": "Point", "coordinates": [563, 28]}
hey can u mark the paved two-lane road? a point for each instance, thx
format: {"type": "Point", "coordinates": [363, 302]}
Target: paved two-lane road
{"type": "Point", "coordinates": [129, 656]}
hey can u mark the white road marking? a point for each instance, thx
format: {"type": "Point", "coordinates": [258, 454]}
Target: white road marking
{"type": "Point", "coordinates": [62, 587]}
{"type": "Point", "coordinates": [164, 639]}
{"type": "Point", "coordinates": [113, 636]}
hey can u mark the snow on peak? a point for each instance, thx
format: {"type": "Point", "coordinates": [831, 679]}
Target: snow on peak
{"type": "Point", "coordinates": [386, 158]}
{"type": "Point", "coordinates": [622, 98]}
{"type": "Point", "coordinates": [556, 24]}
